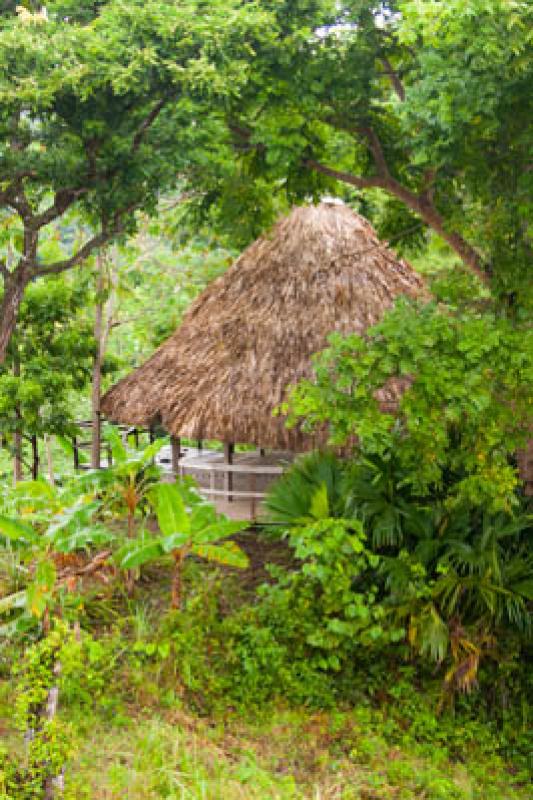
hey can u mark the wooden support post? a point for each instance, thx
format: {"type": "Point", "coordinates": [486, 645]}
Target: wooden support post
{"type": "Point", "coordinates": [175, 449]}
{"type": "Point", "coordinates": [253, 490]}
{"type": "Point", "coordinates": [229, 449]}
{"type": "Point", "coordinates": [96, 431]}
{"type": "Point", "coordinates": [199, 444]}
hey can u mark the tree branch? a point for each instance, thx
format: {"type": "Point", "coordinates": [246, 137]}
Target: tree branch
{"type": "Point", "coordinates": [377, 151]}
{"type": "Point", "coordinates": [105, 236]}
{"type": "Point", "coordinates": [346, 177]}
{"type": "Point", "coordinates": [84, 252]}
{"type": "Point", "coordinates": [14, 197]}
{"type": "Point", "coordinates": [62, 200]}
{"type": "Point", "coordinates": [421, 205]}
{"type": "Point", "coordinates": [394, 78]}
{"type": "Point", "coordinates": [147, 123]}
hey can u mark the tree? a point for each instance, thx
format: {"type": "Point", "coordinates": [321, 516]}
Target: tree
{"type": "Point", "coordinates": [47, 360]}
{"type": "Point", "coordinates": [427, 102]}
{"type": "Point", "coordinates": [102, 107]}
{"type": "Point", "coordinates": [464, 411]}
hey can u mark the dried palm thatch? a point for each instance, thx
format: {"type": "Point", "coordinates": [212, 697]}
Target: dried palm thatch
{"type": "Point", "coordinates": [252, 332]}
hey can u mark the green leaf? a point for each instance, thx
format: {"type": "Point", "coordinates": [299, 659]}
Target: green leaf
{"type": "Point", "coordinates": [138, 552]}
{"type": "Point", "coordinates": [170, 509]}
{"type": "Point", "coordinates": [220, 529]}
{"type": "Point", "coordinates": [83, 539]}
{"type": "Point", "coordinates": [79, 515]}
{"type": "Point", "coordinates": [12, 601]}
{"type": "Point", "coordinates": [228, 554]}
{"type": "Point", "coordinates": [17, 531]}
{"type": "Point", "coordinates": [35, 489]}
{"type": "Point", "coordinates": [152, 450]}
{"type": "Point", "coordinates": [174, 542]}
{"type": "Point", "coordinates": [120, 453]}
{"type": "Point", "coordinates": [320, 503]}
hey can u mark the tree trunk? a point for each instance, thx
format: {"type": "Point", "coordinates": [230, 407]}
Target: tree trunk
{"type": "Point", "coordinates": [179, 557]}
{"type": "Point", "coordinates": [18, 473]}
{"type": "Point", "coordinates": [49, 458]}
{"type": "Point", "coordinates": [54, 785]}
{"type": "Point", "coordinates": [97, 370]}
{"type": "Point", "coordinates": [14, 287]}
{"type": "Point", "coordinates": [35, 457]}
{"type": "Point", "coordinates": [17, 436]}
{"type": "Point", "coordinates": [175, 449]}
{"type": "Point", "coordinates": [525, 467]}
{"type": "Point", "coordinates": [102, 326]}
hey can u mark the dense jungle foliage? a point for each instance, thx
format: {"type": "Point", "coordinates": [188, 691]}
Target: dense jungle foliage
{"type": "Point", "coordinates": [372, 636]}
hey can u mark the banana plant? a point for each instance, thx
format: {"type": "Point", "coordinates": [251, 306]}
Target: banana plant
{"type": "Point", "coordinates": [188, 526]}
{"type": "Point", "coordinates": [126, 484]}
{"type": "Point", "coordinates": [44, 528]}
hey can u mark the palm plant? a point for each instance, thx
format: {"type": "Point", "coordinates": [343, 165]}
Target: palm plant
{"type": "Point", "coordinates": [377, 492]}
{"type": "Point", "coordinates": [490, 576]}
{"type": "Point", "coordinates": [312, 488]}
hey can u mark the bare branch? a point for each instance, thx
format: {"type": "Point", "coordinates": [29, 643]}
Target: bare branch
{"type": "Point", "coordinates": [84, 252]}
{"type": "Point", "coordinates": [346, 177]}
{"type": "Point", "coordinates": [62, 200]}
{"type": "Point", "coordinates": [106, 235]}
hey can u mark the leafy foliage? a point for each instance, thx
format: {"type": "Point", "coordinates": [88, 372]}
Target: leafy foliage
{"type": "Point", "coordinates": [48, 738]}
{"type": "Point", "coordinates": [465, 409]}
{"type": "Point", "coordinates": [188, 525]}
{"type": "Point", "coordinates": [454, 577]}
{"type": "Point", "coordinates": [48, 361]}
{"type": "Point", "coordinates": [310, 489]}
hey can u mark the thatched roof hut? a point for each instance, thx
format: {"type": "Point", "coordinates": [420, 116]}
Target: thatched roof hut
{"type": "Point", "coordinates": [252, 332]}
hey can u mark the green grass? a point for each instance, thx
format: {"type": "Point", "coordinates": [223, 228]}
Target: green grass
{"type": "Point", "coordinates": [289, 755]}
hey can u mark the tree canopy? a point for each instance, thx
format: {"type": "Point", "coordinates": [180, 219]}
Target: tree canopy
{"type": "Point", "coordinates": [427, 102]}
{"type": "Point", "coordinates": [102, 107]}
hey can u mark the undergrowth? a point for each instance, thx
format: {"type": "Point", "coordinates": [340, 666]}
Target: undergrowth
{"type": "Point", "coordinates": [221, 700]}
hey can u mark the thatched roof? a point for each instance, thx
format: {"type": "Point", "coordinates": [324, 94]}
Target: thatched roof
{"type": "Point", "coordinates": [252, 332]}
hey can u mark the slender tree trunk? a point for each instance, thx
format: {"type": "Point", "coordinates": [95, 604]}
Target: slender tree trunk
{"type": "Point", "coordinates": [102, 326]}
{"type": "Point", "coordinates": [53, 786]}
{"type": "Point", "coordinates": [179, 557]}
{"type": "Point", "coordinates": [49, 458]}
{"type": "Point", "coordinates": [35, 457]}
{"type": "Point", "coordinates": [18, 473]}
{"type": "Point", "coordinates": [14, 287]}
{"type": "Point", "coordinates": [97, 369]}
{"type": "Point", "coordinates": [17, 437]}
